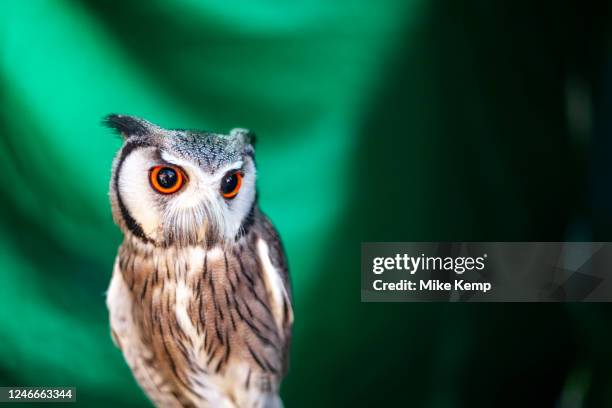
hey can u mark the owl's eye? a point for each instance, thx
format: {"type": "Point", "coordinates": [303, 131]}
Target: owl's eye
{"type": "Point", "coordinates": [231, 184]}
{"type": "Point", "coordinates": [166, 179]}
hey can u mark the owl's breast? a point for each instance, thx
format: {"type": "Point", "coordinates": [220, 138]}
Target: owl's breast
{"type": "Point", "coordinates": [216, 321]}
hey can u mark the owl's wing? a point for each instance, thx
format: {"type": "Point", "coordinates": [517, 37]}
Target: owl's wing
{"type": "Point", "coordinates": [277, 252]}
{"type": "Point", "coordinates": [278, 281]}
{"type": "Point", "coordinates": [126, 335]}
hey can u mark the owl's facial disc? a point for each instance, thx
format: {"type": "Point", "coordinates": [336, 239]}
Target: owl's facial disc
{"type": "Point", "coordinates": [178, 200]}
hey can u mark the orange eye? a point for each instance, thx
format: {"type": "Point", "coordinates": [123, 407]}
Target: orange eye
{"type": "Point", "coordinates": [166, 179]}
{"type": "Point", "coordinates": [231, 184]}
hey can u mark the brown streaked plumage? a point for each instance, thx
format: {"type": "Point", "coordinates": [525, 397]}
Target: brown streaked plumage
{"type": "Point", "coordinates": [200, 307]}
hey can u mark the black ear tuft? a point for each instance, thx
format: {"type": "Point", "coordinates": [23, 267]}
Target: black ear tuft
{"type": "Point", "coordinates": [126, 125]}
{"type": "Point", "coordinates": [252, 138]}
{"type": "Point", "coordinates": [244, 135]}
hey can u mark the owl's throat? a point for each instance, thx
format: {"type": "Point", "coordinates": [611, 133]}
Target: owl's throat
{"type": "Point", "coordinates": [194, 230]}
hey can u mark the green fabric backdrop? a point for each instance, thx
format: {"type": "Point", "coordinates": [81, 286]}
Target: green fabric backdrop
{"type": "Point", "coordinates": [376, 121]}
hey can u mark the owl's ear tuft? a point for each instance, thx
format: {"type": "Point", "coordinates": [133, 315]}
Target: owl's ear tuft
{"type": "Point", "coordinates": [245, 136]}
{"type": "Point", "coordinates": [126, 125]}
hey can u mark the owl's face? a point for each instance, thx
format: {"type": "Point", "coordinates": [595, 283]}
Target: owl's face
{"type": "Point", "coordinates": [177, 187]}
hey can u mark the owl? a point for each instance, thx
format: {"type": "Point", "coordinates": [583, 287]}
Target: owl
{"type": "Point", "coordinates": [199, 301]}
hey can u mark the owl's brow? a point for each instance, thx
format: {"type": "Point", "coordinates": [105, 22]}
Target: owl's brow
{"type": "Point", "coordinates": [231, 167]}
{"type": "Point", "coordinates": [178, 161]}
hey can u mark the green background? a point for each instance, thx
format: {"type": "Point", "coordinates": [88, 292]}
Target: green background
{"type": "Point", "coordinates": [376, 121]}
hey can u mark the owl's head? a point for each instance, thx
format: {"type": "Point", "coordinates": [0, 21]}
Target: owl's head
{"type": "Point", "coordinates": [182, 187]}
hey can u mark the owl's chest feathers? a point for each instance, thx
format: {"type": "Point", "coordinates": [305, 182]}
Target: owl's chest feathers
{"type": "Point", "coordinates": [209, 313]}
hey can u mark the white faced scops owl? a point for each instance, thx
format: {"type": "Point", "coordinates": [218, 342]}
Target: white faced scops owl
{"type": "Point", "coordinates": [200, 299]}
